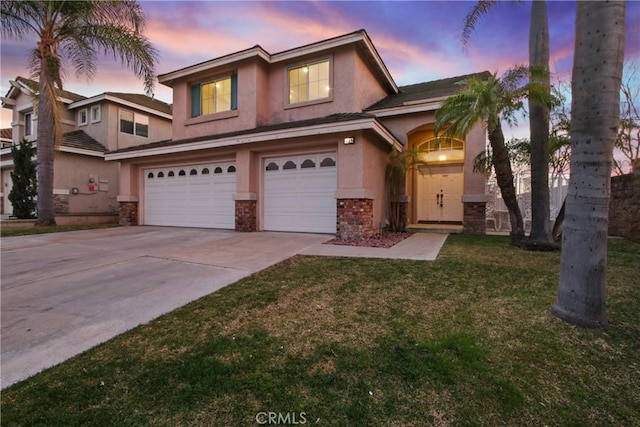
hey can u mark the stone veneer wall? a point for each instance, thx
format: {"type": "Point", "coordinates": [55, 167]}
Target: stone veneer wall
{"type": "Point", "coordinates": [246, 215]}
{"type": "Point", "coordinates": [355, 218]}
{"type": "Point", "coordinates": [624, 206]}
{"type": "Point", "coordinates": [474, 215]}
{"type": "Point", "coordinates": [128, 213]}
{"type": "Point", "coordinates": [61, 203]}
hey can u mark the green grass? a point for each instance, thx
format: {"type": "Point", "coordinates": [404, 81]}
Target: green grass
{"type": "Point", "coordinates": [466, 340]}
{"type": "Point", "coordinates": [25, 231]}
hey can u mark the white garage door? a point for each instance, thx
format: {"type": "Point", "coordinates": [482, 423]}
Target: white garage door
{"type": "Point", "coordinates": [191, 196]}
{"type": "Point", "coordinates": [299, 193]}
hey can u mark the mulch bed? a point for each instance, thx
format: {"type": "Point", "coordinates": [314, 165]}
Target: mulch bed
{"type": "Point", "coordinates": [385, 239]}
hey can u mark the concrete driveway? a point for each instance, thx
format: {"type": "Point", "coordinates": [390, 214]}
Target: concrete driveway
{"type": "Point", "coordinates": [64, 293]}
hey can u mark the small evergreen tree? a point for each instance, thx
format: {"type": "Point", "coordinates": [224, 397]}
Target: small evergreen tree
{"type": "Point", "coordinates": [23, 193]}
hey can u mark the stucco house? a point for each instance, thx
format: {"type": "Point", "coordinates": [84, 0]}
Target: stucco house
{"type": "Point", "coordinates": [298, 141]}
{"type": "Point", "coordinates": [85, 186]}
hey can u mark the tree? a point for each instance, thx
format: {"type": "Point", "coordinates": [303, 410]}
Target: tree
{"type": "Point", "coordinates": [73, 31]}
{"type": "Point", "coordinates": [538, 114]}
{"type": "Point", "coordinates": [23, 178]}
{"type": "Point", "coordinates": [595, 116]}
{"type": "Point", "coordinates": [628, 140]}
{"type": "Point", "coordinates": [491, 101]}
{"type": "Point", "coordinates": [539, 128]}
{"type": "Point", "coordinates": [399, 163]}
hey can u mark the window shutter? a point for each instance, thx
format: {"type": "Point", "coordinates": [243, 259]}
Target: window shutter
{"type": "Point", "coordinates": [195, 100]}
{"type": "Point", "coordinates": [234, 91]}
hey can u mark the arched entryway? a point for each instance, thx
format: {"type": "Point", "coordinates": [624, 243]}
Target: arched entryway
{"type": "Point", "coordinates": [439, 182]}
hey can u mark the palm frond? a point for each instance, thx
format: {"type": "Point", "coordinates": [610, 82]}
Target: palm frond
{"type": "Point", "coordinates": [481, 8]}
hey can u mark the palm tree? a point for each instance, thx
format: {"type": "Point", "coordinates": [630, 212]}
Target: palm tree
{"type": "Point", "coordinates": [538, 114]}
{"type": "Point", "coordinates": [491, 101]}
{"type": "Point", "coordinates": [595, 117]}
{"type": "Point", "coordinates": [73, 31]}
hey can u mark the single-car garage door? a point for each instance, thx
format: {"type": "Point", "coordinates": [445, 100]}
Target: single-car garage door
{"type": "Point", "coordinates": [299, 193]}
{"type": "Point", "coordinates": [191, 196]}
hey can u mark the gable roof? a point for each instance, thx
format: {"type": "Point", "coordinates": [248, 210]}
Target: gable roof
{"type": "Point", "coordinates": [360, 38]}
{"type": "Point", "coordinates": [32, 86]}
{"type": "Point", "coordinates": [134, 100]}
{"type": "Point", "coordinates": [415, 93]}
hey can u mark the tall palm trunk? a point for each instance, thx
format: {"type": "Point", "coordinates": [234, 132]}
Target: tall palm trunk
{"type": "Point", "coordinates": [504, 176]}
{"type": "Point", "coordinates": [595, 114]}
{"type": "Point", "coordinates": [45, 145]}
{"type": "Point", "coordinates": [539, 127]}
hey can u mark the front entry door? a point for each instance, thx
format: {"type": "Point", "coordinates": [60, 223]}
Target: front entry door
{"type": "Point", "coordinates": [440, 195]}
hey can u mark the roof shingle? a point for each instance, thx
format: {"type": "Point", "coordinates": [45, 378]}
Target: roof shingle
{"type": "Point", "coordinates": [79, 139]}
{"type": "Point", "coordinates": [424, 91]}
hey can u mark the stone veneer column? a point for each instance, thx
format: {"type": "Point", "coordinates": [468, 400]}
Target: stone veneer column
{"type": "Point", "coordinates": [246, 215]}
{"type": "Point", "coordinates": [355, 218]}
{"type": "Point", "coordinates": [246, 211]}
{"type": "Point", "coordinates": [128, 210]}
{"type": "Point", "coordinates": [61, 201]}
{"type": "Point", "coordinates": [474, 214]}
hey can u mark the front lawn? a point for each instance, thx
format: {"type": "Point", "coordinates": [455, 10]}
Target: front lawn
{"type": "Point", "coordinates": [25, 231]}
{"type": "Point", "coordinates": [465, 340]}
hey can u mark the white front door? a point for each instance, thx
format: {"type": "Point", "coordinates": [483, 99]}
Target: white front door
{"type": "Point", "coordinates": [191, 196]}
{"type": "Point", "coordinates": [440, 195]}
{"type": "Point", "coordinates": [299, 193]}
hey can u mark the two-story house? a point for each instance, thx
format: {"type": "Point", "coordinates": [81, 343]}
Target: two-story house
{"type": "Point", "coordinates": [298, 141]}
{"type": "Point", "coordinates": [85, 186]}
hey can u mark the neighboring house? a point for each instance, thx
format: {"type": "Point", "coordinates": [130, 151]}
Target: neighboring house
{"type": "Point", "coordinates": [299, 141]}
{"type": "Point", "coordinates": [84, 184]}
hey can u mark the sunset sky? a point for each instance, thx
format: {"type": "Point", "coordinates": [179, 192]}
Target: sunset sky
{"type": "Point", "coordinates": [419, 41]}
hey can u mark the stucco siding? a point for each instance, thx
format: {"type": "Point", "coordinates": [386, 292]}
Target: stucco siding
{"type": "Point", "coordinates": [75, 171]}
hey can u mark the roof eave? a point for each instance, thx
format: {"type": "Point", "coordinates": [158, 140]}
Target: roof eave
{"type": "Point", "coordinates": [319, 129]}
{"type": "Point", "coordinates": [167, 79]}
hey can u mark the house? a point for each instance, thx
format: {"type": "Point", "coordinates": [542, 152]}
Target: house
{"type": "Point", "coordinates": [85, 186]}
{"type": "Point", "coordinates": [299, 141]}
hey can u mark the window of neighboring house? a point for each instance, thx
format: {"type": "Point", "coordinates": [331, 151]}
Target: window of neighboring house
{"type": "Point", "coordinates": [309, 82]}
{"type": "Point", "coordinates": [134, 123]}
{"type": "Point", "coordinates": [95, 114]}
{"type": "Point", "coordinates": [214, 96]}
{"type": "Point", "coordinates": [28, 124]}
{"type": "Point", "coordinates": [83, 117]}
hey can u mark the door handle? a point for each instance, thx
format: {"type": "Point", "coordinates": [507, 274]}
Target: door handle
{"type": "Point", "coordinates": [441, 198]}
{"type": "Point", "coordinates": [437, 199]}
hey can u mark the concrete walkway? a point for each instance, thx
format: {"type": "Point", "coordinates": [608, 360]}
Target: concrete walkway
{"type": "Point", "coordinates": [64, 293]}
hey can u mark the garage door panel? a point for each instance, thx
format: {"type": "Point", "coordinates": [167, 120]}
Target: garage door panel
{"type": "Point", "coordinates": [197, 198]}
{"type": "Point", "coordinates": [300, 198]}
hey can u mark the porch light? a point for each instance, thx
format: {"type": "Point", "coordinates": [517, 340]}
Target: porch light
{"type": "Point", "coordinates": [349, 140]}
{"type": "Point", "coordinates": [442, 157]}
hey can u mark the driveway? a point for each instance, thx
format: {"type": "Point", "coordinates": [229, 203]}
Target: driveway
{"type": "Point", "coordinates": [64, 293]}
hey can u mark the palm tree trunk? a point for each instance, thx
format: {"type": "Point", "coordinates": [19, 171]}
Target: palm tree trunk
{"type": "Point", "coordinates": [504, 176]}
{"type": "Point", "coordinates": [539, 127]}
{"type": "Point", "coordinates": [45, 153]}
{"type": "Point", "coordinates": [595, 114]}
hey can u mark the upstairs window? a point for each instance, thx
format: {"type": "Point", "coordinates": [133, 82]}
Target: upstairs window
{"type": "Point", "coordinates": [83, 117]}
{"type": "Point", "coordinates": [134, 123]}
{"type": "Point", "coordinates": [28, 124]}
{"type": "Point", "coordinates": [214, 96]}
{"type": "Point", "coordinates": [95, 114]}
{"type": "Point", "coordinates": [309, 82]}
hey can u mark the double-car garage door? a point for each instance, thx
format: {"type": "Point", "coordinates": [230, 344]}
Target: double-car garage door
{"type": "Point", "coordinates": [298, 194]}
{"type": "Point", "coordinates": [191, 196]}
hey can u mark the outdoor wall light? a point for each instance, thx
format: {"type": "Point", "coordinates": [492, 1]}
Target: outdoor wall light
{"type": "Point", "coordinates": [442, 157]}
{"type": "Point", "coordinates": [349, 140]}
{"type": "Point", "coordinates": [75, 190]}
